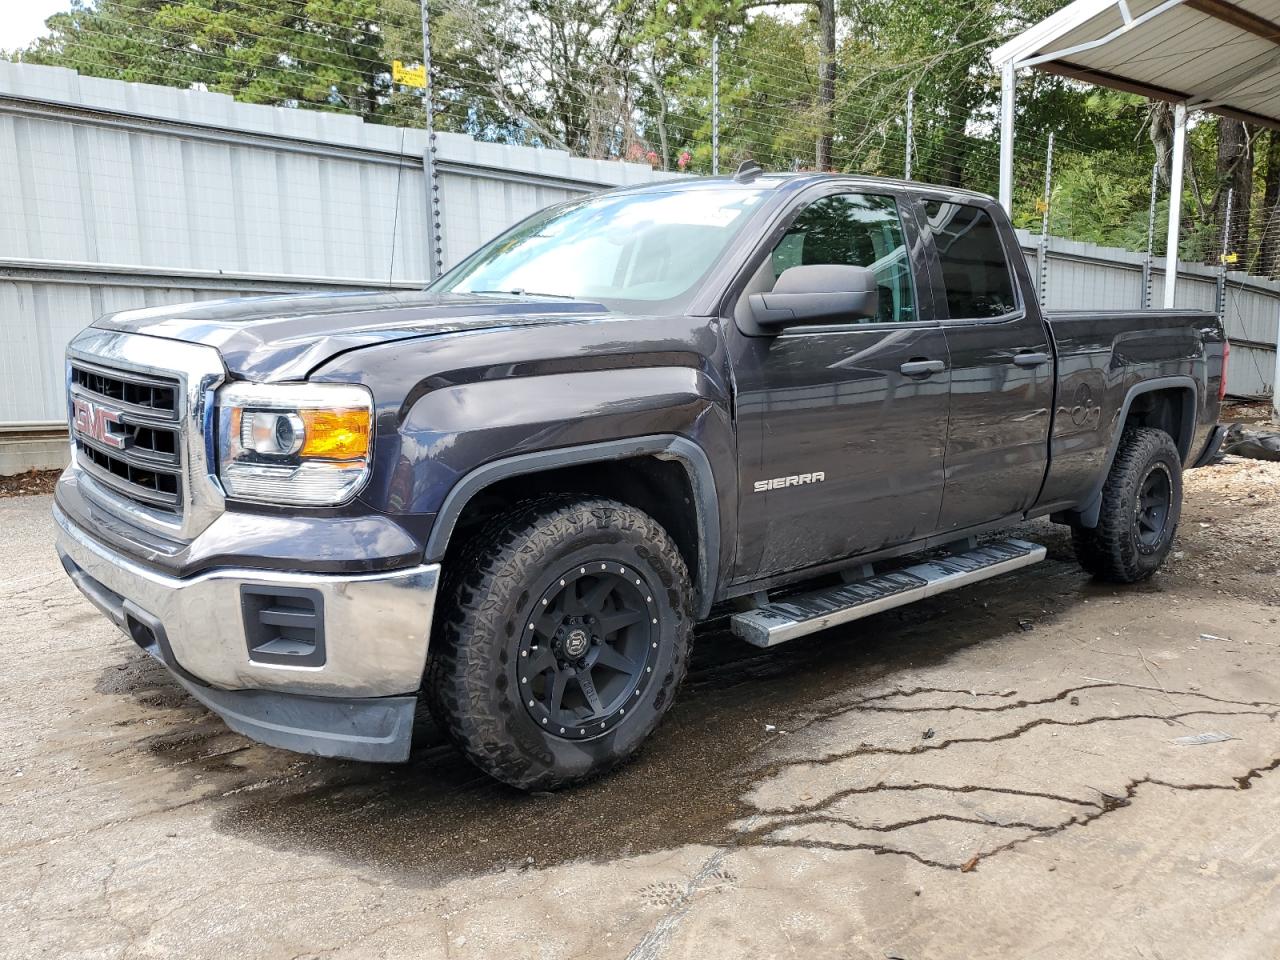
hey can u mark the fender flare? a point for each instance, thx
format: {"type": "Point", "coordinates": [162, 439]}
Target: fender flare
{"type": "Point", "coordinates": [1087, 514]}
{"type": "Point", "coordinates": [663, 446]}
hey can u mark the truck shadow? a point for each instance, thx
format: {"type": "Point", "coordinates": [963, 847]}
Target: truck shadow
{"type": "Point", "coordinates": [436, 817]}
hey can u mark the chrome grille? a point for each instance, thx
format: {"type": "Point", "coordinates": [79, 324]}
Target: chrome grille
{"type": "Point", "coordinates": [129, 389]}
{"type": "Point", "coordinates": [127, 433]}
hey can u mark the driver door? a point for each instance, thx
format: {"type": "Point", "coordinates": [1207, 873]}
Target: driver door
{"type": "Point", "coordinates": [841, 434]}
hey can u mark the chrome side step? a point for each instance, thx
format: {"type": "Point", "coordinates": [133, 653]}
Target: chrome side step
{"type": "Point", "coordinates": [775, 623]}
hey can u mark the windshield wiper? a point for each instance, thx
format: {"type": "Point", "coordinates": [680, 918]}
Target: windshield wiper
{"type": "Point", "coordinates": [519, 292]}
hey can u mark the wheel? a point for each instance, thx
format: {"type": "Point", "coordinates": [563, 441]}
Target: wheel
{"type": "Point", "coordinates": [1141, 504]}
{"type": "Point", "coordinates": [562, 641]}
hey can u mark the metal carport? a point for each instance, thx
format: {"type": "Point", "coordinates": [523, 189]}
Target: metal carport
{"type": "Point", "coordinates": [1196, 54]}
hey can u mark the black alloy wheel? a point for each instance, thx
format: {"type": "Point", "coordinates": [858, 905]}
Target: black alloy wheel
{"type": "Point", "coordinates": [1155, 495]}
{"type": "Point", "coordinates": [561, 636]}
{"type": "Point", "coordinates": [1141, 503]}
{"type": "Point", "coordinates": [588, 651]}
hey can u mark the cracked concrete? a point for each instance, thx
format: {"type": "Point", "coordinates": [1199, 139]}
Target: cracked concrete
{"type": "Point", "coordinates": [933, 782]}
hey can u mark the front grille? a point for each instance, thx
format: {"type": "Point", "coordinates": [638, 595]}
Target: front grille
{"type": "Point", "coordinates": [131, 439]}
{"type": "Point", "coordinates": [130, 389]}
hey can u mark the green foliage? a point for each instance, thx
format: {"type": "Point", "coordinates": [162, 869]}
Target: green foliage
{"type": "Point", "coordinates": [324, 54]}
{"type": "Point", "coordinates": [1101, 168]}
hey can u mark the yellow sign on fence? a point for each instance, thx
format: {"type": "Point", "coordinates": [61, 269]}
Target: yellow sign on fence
{"type": "Point", "coordinates": [409, 76]}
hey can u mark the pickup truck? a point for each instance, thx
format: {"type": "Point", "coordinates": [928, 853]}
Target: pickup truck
{"type": "Point", "coordinates": [513, 494]}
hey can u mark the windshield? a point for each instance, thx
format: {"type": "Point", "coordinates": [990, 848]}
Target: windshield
{"type": "Point", "coordinates": [643, 251]}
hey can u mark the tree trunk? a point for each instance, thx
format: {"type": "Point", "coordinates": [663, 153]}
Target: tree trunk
{"type": "Point", "coordinates": [1269, 249]}
{"type": "Point", "coordinates": [1160, 115]}
{"type": "Point", "coordinates": [1235, 180]}
{"type": "Point", "coordinates": [826, 83]}
{"type": "Point", "coordinates": [953, 147]}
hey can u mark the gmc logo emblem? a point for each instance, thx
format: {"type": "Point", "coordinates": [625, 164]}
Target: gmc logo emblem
{"type": "Point", "coordinates": [94, 422]}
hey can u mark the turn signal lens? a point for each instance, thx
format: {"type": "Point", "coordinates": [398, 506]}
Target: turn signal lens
{"type": "Point", "coordinates": [335, 434]}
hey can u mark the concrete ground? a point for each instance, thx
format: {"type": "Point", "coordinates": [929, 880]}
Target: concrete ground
{"type": "Point", "coordinates": [994, 773]}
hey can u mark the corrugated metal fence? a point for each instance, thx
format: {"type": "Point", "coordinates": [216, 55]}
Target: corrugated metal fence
{"type": "Point", "coordinates": [117, 195]}
{"type": "Point", "coordinates": [1083, 276]}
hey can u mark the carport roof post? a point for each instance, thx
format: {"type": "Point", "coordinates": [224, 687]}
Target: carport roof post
{"type": "Point", "coordinates": [1213, 55]}
{"type": "Point", "coordinates": [1275, 383]}
{"type": "Point", "coordinates": [1008, 97]}
{"type": "Point", "coordinates": [1175, 203]}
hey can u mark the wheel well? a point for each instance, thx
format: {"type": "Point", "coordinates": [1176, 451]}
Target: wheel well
{"type": "Point", "coordinates": [1170, 409]}
{"type": "Point", "coordinates": [659, 487]}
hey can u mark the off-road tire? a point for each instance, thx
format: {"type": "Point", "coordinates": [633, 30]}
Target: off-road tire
{"type": "Point", "coordinates": [1114, 550]}
{"type": "Point", "coordinates": [473, 679]}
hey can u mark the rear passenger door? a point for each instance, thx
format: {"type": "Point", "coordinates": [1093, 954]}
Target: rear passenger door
{"type": "Point", "coordinates": [1001, 365]}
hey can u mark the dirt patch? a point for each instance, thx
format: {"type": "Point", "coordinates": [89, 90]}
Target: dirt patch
{"type": "Point", "coordinates": [1229, 538]}
{"type": "Point", "coordinates": [28, 484]}
{"type": "Point", "coordinates": [1246, 411]}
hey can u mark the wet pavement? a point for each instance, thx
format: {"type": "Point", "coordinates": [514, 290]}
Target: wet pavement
{"type": "Point", "coordinates": [995, 772]}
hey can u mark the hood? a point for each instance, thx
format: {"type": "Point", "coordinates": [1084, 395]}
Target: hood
{"type": "Point", "coordinates": [286, 337]}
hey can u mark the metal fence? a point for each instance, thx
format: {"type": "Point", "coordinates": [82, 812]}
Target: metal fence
{"type": "Point", "coordinates": [116, 195]}
{"type": "Point", "coordinates": [1084, 276]}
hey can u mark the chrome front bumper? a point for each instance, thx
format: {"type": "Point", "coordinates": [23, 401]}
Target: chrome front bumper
{"type": "Point", "coordinates": [358, 703]}
{"type": "Point", "coordinates": [377, 625]}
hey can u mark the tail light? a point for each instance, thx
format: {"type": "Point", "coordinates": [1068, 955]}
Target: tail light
{"type": "Point", "coordinates": [1222, 384]}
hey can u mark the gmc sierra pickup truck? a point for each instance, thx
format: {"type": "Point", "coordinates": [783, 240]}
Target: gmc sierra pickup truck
{"type": "Point", "coordinates": [515, 493]}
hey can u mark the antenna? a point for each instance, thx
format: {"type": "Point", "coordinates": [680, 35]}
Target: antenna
{"type": "Point", "coordinates": [395, 218]}
{"type": "Point", "coordinates": [747, 171]}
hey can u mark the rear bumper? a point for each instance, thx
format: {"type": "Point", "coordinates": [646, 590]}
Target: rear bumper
{"type": "Point", "coordinates": [353, 697]}
{"type": "Point", "coordinates": [1212, 447]}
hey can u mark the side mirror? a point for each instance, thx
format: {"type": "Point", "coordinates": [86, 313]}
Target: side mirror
{"type": "Point", "coordinates": [817, 293]}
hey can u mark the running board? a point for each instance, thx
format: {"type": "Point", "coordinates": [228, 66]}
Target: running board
{"type": "Point", "coordinates": [775, 623]}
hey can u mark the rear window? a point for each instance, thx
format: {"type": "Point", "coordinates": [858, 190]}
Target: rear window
{"type": "Point", "coordinates": [975, 272]}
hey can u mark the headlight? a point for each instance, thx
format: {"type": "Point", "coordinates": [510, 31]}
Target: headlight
{"type": "Point", "coordinates": [294, 443]}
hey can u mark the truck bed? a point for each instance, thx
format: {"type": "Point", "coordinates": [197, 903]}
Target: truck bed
{"type": "Point", "coordinates": [1103, 357]}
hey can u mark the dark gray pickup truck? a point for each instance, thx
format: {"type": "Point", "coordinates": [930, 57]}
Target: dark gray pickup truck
{"type": "Point", "coordinates": [516, 492]}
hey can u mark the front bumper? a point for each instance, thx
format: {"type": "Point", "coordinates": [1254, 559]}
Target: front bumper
{"type": "Point", "coordinates": [357, 702]}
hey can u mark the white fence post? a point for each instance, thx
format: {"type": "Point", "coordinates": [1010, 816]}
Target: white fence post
{"type": "Point", "coordinates": [911, 105]}
{"type": "Point", "coordinates": [1044, 224]}
{"type": "Point", "coordinates": [435, 235]}
{"type": "Point", "coordinates": [715, 106]}
{"type": "Point", "coordinates": [1220, 300]}
{"type": "Point", "coordinates": [1175, 204]}
{"type": "Point", "coordinates": [1149, 263]}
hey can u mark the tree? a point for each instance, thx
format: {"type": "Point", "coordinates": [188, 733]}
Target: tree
{"type": "Point", "coordinates": [325, 54]}
{"type": "Point", "coordinates": [1269, 243]}
{"type": "Point", "coordinates": [564, 69]}
{"type": "Point", "coordinates": [1233, 195]}
{"type": "Point", "coordinates": [826, 11]}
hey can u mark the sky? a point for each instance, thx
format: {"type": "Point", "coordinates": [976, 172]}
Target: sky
{"type": "Point", "coordinates": [21, 21]}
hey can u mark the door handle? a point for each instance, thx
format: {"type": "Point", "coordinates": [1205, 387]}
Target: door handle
{"type": "Point", "coordinates": [922, 368]}
{"type": "Point", "coordinates": [1030, 359]}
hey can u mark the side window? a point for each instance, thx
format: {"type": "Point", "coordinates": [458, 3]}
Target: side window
{"type": "Point", "coordinates": [857, 230]}
{"type": "Point", "coordinates": [974, 269]}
